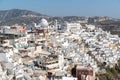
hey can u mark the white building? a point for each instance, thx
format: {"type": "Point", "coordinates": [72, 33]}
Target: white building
{"type": "Point", "coordinates": [73, 26]}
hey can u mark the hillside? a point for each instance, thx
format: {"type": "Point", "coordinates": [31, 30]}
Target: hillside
{"type": "Point", "coordinates": [110, 25]}
{"type": "Point", "coordinates": [18, 16]}
{"type": "Point", "coordinates": [15, 13]}
{"type": "Point", "coordinates": [13, 16]}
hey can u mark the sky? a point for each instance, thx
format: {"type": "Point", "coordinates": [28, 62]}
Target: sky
{"type": "Point", "coordinates": [66, 7]}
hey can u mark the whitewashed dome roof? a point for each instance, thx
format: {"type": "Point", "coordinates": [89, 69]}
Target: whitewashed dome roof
{"type": "Point", "coordinates": [44, 23]}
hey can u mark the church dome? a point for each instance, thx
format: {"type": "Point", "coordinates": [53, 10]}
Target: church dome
{"type": "Point", "coordinates": [44, 23]}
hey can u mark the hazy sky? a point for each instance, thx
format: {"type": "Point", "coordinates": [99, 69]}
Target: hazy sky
{"type": "Point", "coordinates": [66, 7]}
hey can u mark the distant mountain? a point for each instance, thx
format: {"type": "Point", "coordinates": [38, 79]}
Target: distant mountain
{"type": "Point", "coordinates": [15, 13]}
{"type": "Point", "coordinates": [18, 16]}
{"type": "Point", "coordinates": [13, 16]}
